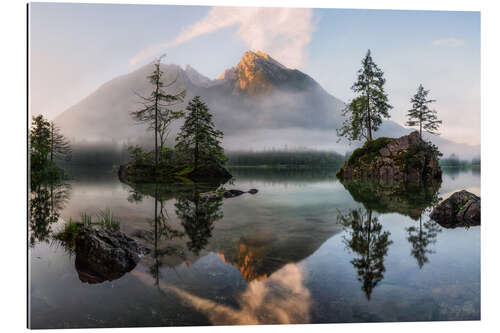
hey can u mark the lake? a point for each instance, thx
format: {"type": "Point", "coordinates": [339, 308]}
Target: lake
{"type": "Point", "coordinates": [304, 249]}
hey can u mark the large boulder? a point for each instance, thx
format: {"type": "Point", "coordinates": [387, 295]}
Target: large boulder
{"type": "Point", "coordinates": [405, 159]}
{"type": "Point", "coordinates": [105, 254]}
{"type": "Point", "coordinates": [461, 209]}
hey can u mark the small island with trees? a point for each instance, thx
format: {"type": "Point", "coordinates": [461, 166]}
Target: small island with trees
{"type": "Point", "coordinates": [198, 155]}
{"type": "Point", "coordinates": [405, 159]}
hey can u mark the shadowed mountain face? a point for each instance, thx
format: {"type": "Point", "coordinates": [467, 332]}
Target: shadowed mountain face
{"type": "Point", "coordinates": [258, 104]}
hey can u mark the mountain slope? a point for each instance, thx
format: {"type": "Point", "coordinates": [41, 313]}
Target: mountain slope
{"type": "Point", "coordinates": [258, 104]}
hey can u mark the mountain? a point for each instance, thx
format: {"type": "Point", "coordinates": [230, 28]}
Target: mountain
{"type": "Point", "coordinates": [258, 104]}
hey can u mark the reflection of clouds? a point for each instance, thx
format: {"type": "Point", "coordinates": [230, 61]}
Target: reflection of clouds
{"type": "Point", "coordinates": [281, 299]}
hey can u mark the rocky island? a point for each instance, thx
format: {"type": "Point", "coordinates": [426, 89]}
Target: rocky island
{"type": "Point", "coordinates": [394, 160]}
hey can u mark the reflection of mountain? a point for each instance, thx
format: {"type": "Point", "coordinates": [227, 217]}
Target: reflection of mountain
{"type": "Point", "coordinates": [195, 227]}
{"type": "Point", "coordinates": [405, 199]}
{"type": "Point", "coordinates": [259, 103]}
{"type": "Point", "coordinates": [367, 240]}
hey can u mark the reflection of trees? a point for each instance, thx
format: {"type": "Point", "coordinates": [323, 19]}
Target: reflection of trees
{"type": "Point", "coordinates": [198, 212]}
{"type": "Point", "coordinates": [367, 240]}
{"type": "Point", "coordinates": [420, 238]}
{"type": "Point", "coordinates": [406, 199]}
{"type": "Point", "coordinates": [46, 202]}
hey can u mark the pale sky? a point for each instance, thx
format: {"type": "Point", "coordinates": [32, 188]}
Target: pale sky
{"type": "Point", "coordinates": [77, 47]}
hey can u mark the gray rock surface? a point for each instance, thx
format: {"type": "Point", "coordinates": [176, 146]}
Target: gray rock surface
{"type": "Point", "coordinates": [461, 209]}
{"type": "Point", "coordinates": [105, 255]}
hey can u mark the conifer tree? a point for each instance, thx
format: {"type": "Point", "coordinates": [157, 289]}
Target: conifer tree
{"type": "Point", "coordinates": [420, 115]}
{"type": "Point", "coordinates": [60, 147]}
{"type": "Point", "coordinates": [198, 139]}
{"type": "Point", "coordinates": [364, 113]}
{"type": "Point", "coordinates": [156, 111]}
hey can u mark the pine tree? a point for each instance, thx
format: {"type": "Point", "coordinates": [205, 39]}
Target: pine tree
{"type": "Point", "coordinates": [198, 138]}
{"type": "Point", "coordinates": [420, 114]}
{"type": "Point", "coordinates": [60, 147]}
{"type": "Point", "coordinates": [156, 110]}
{"type": "Point", "coordinates": [364, 113]}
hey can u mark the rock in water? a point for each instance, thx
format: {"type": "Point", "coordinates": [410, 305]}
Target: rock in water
{"type": "Point", "coordinates": [461, 209]}
{"type": "Point", "coordinates": [232, 193]}
{"type": "Point", "coordinates": [253, 191]}
{"type": "Point", "coordinates": [105, 255]}
{"type": "Point", "coordinates": [406, 159]}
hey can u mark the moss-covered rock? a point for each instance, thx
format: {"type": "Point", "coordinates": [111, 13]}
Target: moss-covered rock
{"type": "Point", "coordinates": [405, 159]}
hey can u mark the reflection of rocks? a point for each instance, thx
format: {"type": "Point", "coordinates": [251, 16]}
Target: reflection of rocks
{"type": "Point", "coordinates": [403, 198]}
{"type": "Point", "coordinates": [405, 159]}
{"type": "Point", "coordinates": [105, 255]}
{"type": "Point", "coordinates": [460, 209]}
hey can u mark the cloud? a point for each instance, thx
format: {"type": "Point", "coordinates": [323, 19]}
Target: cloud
{"type": "Point", "coordinates": [284, 33]}
{"type": "Point", "coordinates": [281, 299]}
{"type": "Point", "coordinates": [450, 42]}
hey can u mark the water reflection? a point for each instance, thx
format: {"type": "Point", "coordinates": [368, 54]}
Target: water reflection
{"type": "Point", "coordinates": [367, 240]}
{"type": "Point", "coordinates": [198, 213]}
{"type": "Point", "coordinates": [281, 299]}
{"type": "Point", "coordinates": [421, 238]}
{"type": "Point", "coordinates": [405, 199]}
{"type": "Point", "coordinates": [414, 201]}
{"type": "Point", "coordinates": [47, 199]}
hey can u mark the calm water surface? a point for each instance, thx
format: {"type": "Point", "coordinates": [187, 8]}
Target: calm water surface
{"type": "Point", "coordinates": [301, 250]}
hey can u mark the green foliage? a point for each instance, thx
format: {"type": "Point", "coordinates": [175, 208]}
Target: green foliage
{"type": "Point", "coordinates": [45, 146]}
{"type": "Point", "coordinates": [68, 234]}
{"type": "Point", "coordinates": [420, 115]}
{"type": "Point", "coordinates": [368, 151]}
{"type": "Point", "coordinates": [294, 159]}
{"type": "Point", "coordinates": [107, 220]}
{"type": "Point", "coordinates": [365, 112]}
{"type": "Point", "coordinates": [198, 139]}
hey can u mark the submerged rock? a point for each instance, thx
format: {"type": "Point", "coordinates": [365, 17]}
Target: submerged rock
{"type": "Point", "coordinates": [105, 255]}
{"type": "Point", "coordinates": [461, 209]}
{"type": "Point", "coordinates": [405, 159]}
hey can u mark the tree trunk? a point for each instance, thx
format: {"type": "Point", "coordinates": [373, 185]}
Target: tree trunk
{"type": "Point", "coordinates": [156, 113]}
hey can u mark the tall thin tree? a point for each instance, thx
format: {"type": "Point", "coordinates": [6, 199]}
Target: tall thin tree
{"type": "Point", "coordinates": [158, 104]}
{"type": "Point", "coordinates": [421, 115]}
{"type": "Point", "coordinates": [365, 112]}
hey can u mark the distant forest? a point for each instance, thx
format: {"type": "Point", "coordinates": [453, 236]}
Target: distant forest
{"type": "Point", "coordinates": [106, 155]}
{"type": "Point", "coordinates": [286, 158]}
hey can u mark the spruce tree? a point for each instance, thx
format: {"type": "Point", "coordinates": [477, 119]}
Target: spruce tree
{"type": "Point", "coordinates": [364, 113]}
{"type": "Point", "coordinates": [156, 111]}
{"type": "Point", "coordinates": [420, 115]}
{"type": "Point", "coordinates": [198, 139]}
{"type": "Point", "coordinates": [60, 147]}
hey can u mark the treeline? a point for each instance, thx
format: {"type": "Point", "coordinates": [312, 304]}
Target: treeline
{"type": "Point", "coordinates": [286, 158]}
{"type": "Point", "coordinates": [454, 161]}
{"type": "Point", "coordinates": [102, 155]}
